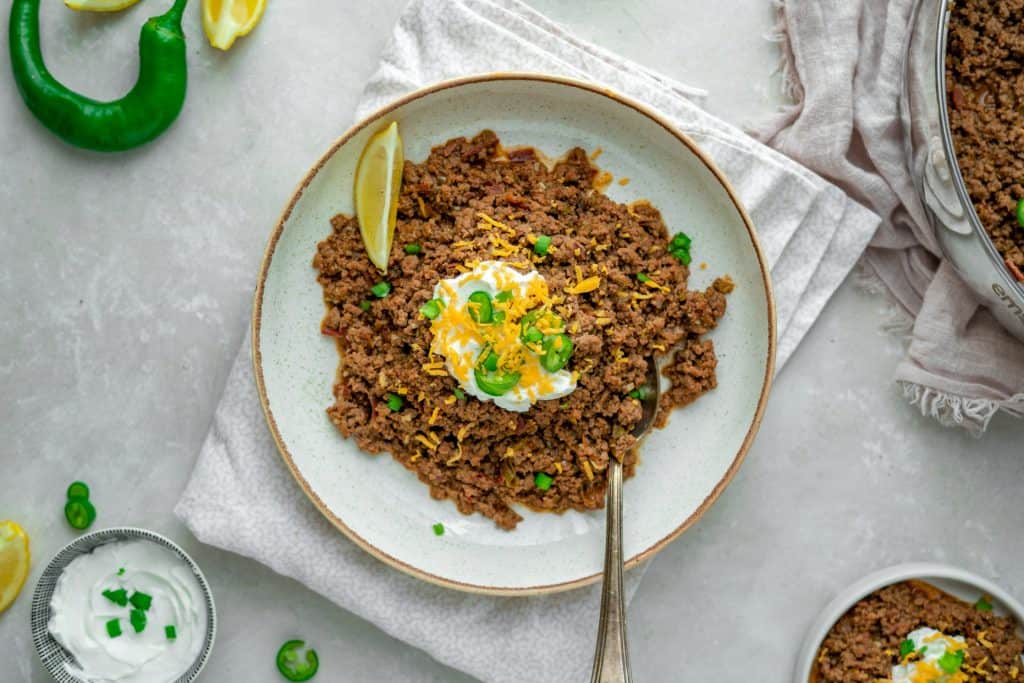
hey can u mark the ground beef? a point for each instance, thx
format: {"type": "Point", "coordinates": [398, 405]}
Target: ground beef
{"type": "Point", "coordinates": [614, 328]}
{"type": "Point", "coordinates": [864, 644]}
{"type": "Point", "coordinates": [985, 89]}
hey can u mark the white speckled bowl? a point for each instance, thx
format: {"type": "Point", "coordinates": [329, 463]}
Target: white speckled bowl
{"type": "Point", "coordinates": [957, 582]}
{"type": "Point", "coordinates": [53, 656]}
{"type": "Point", "coordinates": [382, 506]}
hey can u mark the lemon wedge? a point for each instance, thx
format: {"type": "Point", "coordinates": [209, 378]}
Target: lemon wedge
{"type": "Point", "coordinates": [14, 561]}
{"type": "Point", "coordinates": [378, 179]}
{"type": "Point", "coordinates": [99, 5]}
{"type": "Point", "coordinates": [225, 20]}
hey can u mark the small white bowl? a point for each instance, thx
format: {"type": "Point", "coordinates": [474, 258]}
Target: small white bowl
{"type": "Point", "coordinates": [53, 656]}
{"type": "Point", "coordinates": [957, 582]}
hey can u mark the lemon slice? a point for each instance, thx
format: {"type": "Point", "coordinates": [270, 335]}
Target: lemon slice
{"type": "Point", "coordinates": [378, 179]}
{"type": "Point", "coordinates": [99, 5]}
{"type": "Point", "coordinates": [225, 20]}
{"type": "Point", "coordinates": [14, 561]}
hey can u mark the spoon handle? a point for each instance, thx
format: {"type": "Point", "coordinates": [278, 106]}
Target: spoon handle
{"type": "Point", "coordinates": [611, 660]}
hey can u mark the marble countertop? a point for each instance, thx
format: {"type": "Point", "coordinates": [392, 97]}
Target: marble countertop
{"type": "Point", "coordinates": [126, 286]}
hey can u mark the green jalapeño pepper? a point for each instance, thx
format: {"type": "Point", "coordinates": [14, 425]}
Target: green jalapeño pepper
{"type": "Point", "coordinates": [494, 382]}
{"type": "Point", "coordinates": [557, 350]}
{"type": "Point", "coordinates": [292, 666]}
{"type": "Point", "coordinates": [145, 112]}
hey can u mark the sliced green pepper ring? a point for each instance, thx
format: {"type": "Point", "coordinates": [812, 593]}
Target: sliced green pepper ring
{"type": "Point", "coordinates": [78, 489]}
{"type": "Point", "coordinates": [79, 513]}
{"type": "Point", "coordinates": [292, 666]}
{"type": "Point", "coordinates": [1020, 213]}
{"type": "Point", "coordinates": [483, 311]}
{"type": "Point", "coordinates": [495, 383]}
{"type": "Point", "coordinates": [557, 349]}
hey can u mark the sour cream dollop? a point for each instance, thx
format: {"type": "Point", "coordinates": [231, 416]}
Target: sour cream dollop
{"type": "Point", "coordinates": [460, 340]}
{"type": "Point", "coordinates": [926, 667]}
{"type": "Point", "coordinates": [80, 613]}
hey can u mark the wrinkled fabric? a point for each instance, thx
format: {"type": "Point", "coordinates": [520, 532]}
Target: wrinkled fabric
{"type": "Point", "coordinates": [843, 65]}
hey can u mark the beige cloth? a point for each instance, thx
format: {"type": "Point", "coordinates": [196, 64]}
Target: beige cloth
{"type": "Point", "coordinates": [843, 62]}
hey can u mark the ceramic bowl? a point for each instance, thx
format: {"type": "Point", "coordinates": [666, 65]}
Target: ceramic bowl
{"type": "Point", "coordinates": [957, 582]}
{"type": "Point", "coordinates": [383, 507]}
{"type": "Point", "coordinates": [53, 656]}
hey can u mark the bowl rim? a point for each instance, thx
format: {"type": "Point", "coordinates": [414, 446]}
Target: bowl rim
{"type": "Point", "coordinates": [863, 587]}
{"type": "Point", "coordinates": [385, 110]}
{"type": "Point", "coordinates": [41, 635]}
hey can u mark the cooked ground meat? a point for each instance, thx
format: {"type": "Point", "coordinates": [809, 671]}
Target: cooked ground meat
{"type": "Point", "coordinates": [864, 644]}
{"type": "Point", "coordinates": [483, 457]}
{"type": "Point", "coordinates": [985, 87]}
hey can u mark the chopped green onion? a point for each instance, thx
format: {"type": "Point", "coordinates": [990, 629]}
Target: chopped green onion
{"type": "Point", "coordinates": [118, 597]}
{"type": "Point", "coordinates": [680, 241]}
{"type": "Point", "coordinates": [643, 277]}
{"type": "Point", "coordinates": [120, 571]}
{"type": "Point", "coordinates": [542, 481]}
{"type": "Point", "coordinates": [640, 393]}
{"type": "Point", "coordinates": [504, 297]}
{"type": "Point", "coordinates": [365, 305]}
{"type": "Point", "coordinates": [381, 289]}
{"type": "Point", "coordinates": [459, 393]}
{"type": "Point", "coordinates": [439, 529]}
{"type": "Point", "coordinates": [482, 312]}
{"type": "Point", "coordinates": [682, 255]}
{"type": "Point", "coordinates": [395, 402]}
{"type": "Point", "coordinates": [291, 666]}
{"type": "Point", "coordinates": [413, 248]}
{"type": "Point", "coordinates": [78, 489]}
{"type": "Point", "coordinates": [114, 628]}
{"type": "Point", "coordinates": [951, 662]}
{"type": "Point", "coordinates": [170, 632]}
{"type": "Point", "coordinates": [906, 647]}
{"type": "Point", "coordinates": [432, 308]}
{"type": "Point", "coordinates": [983, 605]}
{"type": "Point", "coordinates": [79, 513]}
{"type": "Point", "coordinates": [138, 620]}
{"type": "Point", "coordinates": [1020, 213]}
{"type": "Point", "coordinates": [558, 348]}
{"type": "Point", "coordinates": [542, 245]}
{"type": "Point", "coordinates": [141, 600]}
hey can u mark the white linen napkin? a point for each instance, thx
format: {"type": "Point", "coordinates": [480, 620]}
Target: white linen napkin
{"type": "Point", "coordinates": [844, 68]}
{"type": "Point", "coordinates": [811, 232]}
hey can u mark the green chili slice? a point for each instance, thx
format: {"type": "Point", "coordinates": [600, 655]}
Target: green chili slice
{"type": "Point", "coordinates": [542, 245]}
{"type": "Point", "coordinates": [395, 402]}
{"type": "Point", "coordinates": [78, 489]}
{"type": "Point", "coordinates": [682, 255]}
{"type": "Point", "coordinates": [950, 662]}
{"type": "Point", "coordinates": [1020, 213]}
{"type": "Point", "coordinates": [542, 481]}
{"type": "Point", "coordinates": [504, 297]}
{"type": "Point", "coordinates": [680, 241]}
{"type": "Point", "coordinates": [491, 362]}
{"type": "Point", "coordinates": [459, 393]}
{"type": "Point", "coordinates": [495, 383]}
{"type": "Point", "coordinates": [145, 112]}
{"type": "Point", "coordinates": [294, 667]}
{"type": "Point", "coordinates": [533, 335]}
{"type": "Point", "coordinates": [413, 249]}
{"type": "Point", "coordinates": [432, 308]}
{"type": "Point", "coordinates": [114, 628]}
{"type": "Point", "coordinates": [482, 310]}
{"type": "Point", "coordinates": [906, 647]}
{"type": "Point", "coordinates": [79, 513]}
{"type": "Point", "coordinates": [381, 289]}
{"type": "Point", "coordinates": [557, 350]}
{"type": "Point", "coordinates": [118, 597]}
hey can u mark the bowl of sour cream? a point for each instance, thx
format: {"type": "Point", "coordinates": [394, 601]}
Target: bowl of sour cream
{"type": "Point", "coordinates": [123, 605]}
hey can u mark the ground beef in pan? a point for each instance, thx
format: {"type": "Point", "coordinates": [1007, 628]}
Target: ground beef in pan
{"type": "Point", "coordinates": [985, 91]}
{"type": "Point", "coordinates": [864, 644]}
{"type": "Point", "coordinates": [485, 458]}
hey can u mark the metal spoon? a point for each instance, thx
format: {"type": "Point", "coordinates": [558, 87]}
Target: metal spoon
{"type": "Point", "coordinates": [611, 659]}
